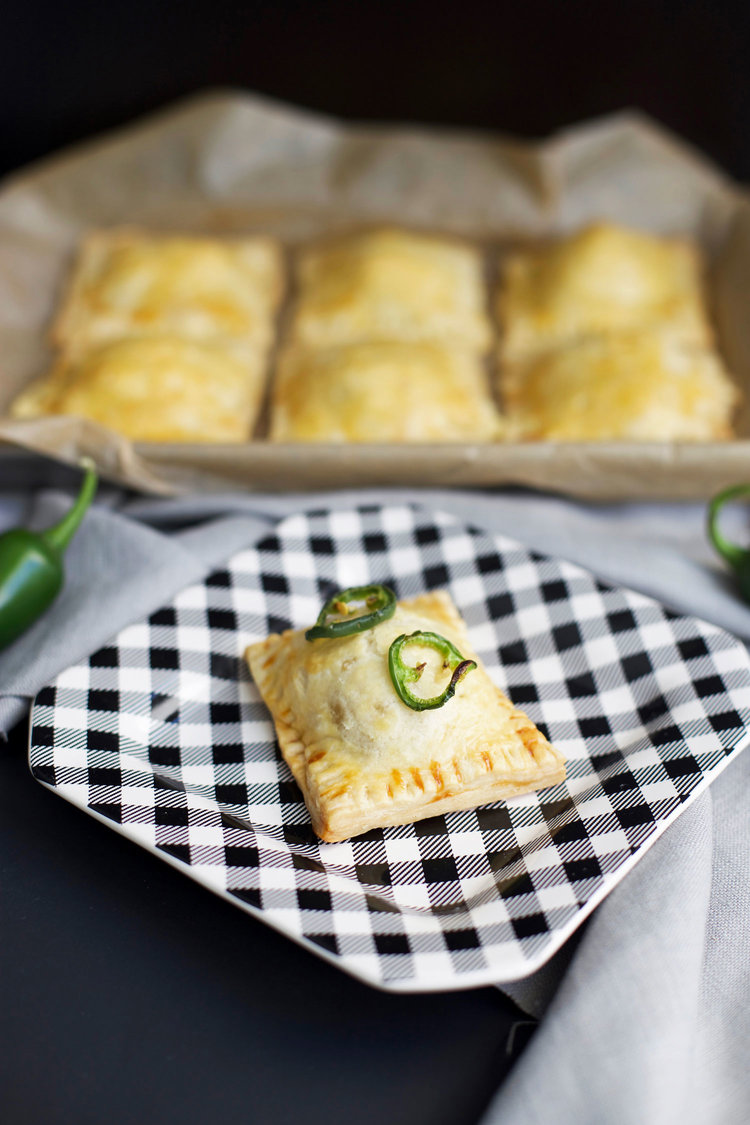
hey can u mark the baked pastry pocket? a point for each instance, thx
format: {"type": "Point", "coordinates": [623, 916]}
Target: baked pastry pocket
{"type": "Point", "coordinates": [363, 758]}
{"type": "Point", "coordinates": [382, 392]}
{"type": "Point", "coordinates": [391, 285]}
{"type": "Point", "coordinates": [131, 283]}
{"type": "Point", "coordinates": [637, 386]}
{"type": "Point", "coordinates": [156, 388]}
{"type": "Point", "coordinates": [604, 278]}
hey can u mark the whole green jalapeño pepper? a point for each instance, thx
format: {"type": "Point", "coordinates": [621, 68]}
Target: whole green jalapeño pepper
{"type": "Point", "coordinates": [402, 675]}
{"type": "Point", "coordinates": [377, 603]}
{"type": "Point", "coordinates": [31, 568]}
{"type": "Point", "coordinates": [737, 557]}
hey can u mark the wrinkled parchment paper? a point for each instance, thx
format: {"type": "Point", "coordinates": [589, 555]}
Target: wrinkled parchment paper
{"type": "Point", "coordinates": [229, 162]}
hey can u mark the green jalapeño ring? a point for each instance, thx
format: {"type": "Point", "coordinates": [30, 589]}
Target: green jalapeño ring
{"type": "Point", "coordinates": [336, 619]}
{"type": "Point", "coordinates": [403, 674]}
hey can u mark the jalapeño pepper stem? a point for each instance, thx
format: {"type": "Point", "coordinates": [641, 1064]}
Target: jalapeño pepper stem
{"type": "Point", "coordinates": [737, 557]}
{"type": "Point", "coordinates": [404, 674]}
{"type": "Point", "coordinates": [61, 533]}
{"type": "Point", "coordinates": [335, 619]}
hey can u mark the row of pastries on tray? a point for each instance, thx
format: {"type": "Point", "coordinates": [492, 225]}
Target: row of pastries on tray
{"type": "Point", "coordinates": [390, 336]}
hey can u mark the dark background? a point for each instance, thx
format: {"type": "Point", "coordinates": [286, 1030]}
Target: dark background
{"type": "Point", "coordinates": [520, 66]}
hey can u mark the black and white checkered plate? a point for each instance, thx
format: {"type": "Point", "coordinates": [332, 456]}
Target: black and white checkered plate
{"type": "Point", "coordinates": [162, 734]}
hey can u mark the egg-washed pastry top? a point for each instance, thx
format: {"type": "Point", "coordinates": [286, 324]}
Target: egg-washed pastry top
{"type": "Point", "coordinates": [363, 758]}
{"type": "Point", "coordinates": [391, 285]}
{"type": "Point", "coordinates": [602, 279]}
{"type": "Point", "coordinates": [637, 386]}
{"type": "Point", "coordinates": [382, 392]}
{"type": "Point", "coordinates": [155, 388]}
{"type": "Point", "coordinates": [131, 283]}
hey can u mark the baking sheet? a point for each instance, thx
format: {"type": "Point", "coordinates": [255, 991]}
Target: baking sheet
{"type": "Point", "coordinates": [229, 162]}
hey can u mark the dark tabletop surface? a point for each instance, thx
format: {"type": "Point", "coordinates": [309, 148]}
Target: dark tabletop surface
{"type": "Point", "coordinates": [128, 994]}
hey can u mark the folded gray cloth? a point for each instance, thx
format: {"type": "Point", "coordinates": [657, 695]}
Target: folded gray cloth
{"type": "Point", "coordinates": [112, 562]}
{"type": "Point", "coordinates": [647, 1012]}
{"type": "Point", "coordinates": [651, 1021]}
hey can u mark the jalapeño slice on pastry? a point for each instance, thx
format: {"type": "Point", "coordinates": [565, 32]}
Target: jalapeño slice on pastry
{"type": "Point", "coordinates": [364, 760]}
{"type": "Point", "coordinates": [403, 674]}
{"type": "Point", "coordinates": [336, 619]}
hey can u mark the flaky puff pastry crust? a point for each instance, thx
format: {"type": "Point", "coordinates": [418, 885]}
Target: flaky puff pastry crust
{"type": "Point", "coordinates": [391, 285]}
{"type": "Point", "coordinates": [130, 283]}
{"type": "Point", "coordinates": [156, 388]}
{"type": "Point", "coordinates": [364, 759]}
{"type": "Point", "coordinates": [382, 392]}
{"type": "Point", "coordinates": [605, 278]}
{"type": "Point", "coordinates": [637, 386]}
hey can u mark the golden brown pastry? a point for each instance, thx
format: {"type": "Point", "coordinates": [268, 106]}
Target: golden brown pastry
{"type": "Point", "coordinates": [637, 386]}
{"type": "Point", "coordinates": [602, 279]}
{"type": "Point", "coordinates": [130, 283]}
{"type": "Point", "coordinates": [363, 758]}
{"type": "Point", "coordinates": [391, 285]}
{"type": "Point", "coordinates": [388, 392]}
{"type": "Point", "coordinates": [156, 388]}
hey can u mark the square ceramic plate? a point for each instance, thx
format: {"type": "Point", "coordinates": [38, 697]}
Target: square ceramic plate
{"type": "Point", "coordinates": [162, 735]}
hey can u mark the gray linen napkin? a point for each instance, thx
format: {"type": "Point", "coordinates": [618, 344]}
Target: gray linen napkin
{"type": "Point", "coordinates": [117, 571]}
{"type": "Point", "coordinates": [648, 1010]}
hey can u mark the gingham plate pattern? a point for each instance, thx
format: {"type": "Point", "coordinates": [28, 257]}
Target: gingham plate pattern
{"type": "Point", "coordinates": [163, 735]}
